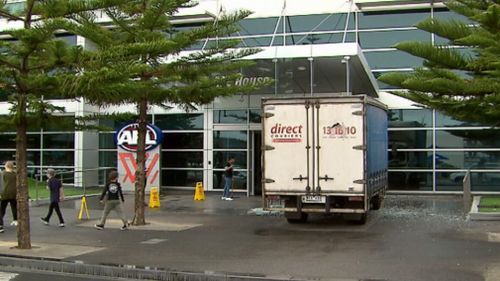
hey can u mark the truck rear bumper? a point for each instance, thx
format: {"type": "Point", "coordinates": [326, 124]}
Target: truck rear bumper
{"type": "Point", "coordinates": [318, 210]}
{"type": "Point", "coordinates": [329, 204]}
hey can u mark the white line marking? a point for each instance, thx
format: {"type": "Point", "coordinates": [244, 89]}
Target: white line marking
{"type": "Point", "coordinates": [4, 276]}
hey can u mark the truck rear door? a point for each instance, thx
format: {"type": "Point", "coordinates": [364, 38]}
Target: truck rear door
{"type": "Point", "coordinates": [286, 152]}
{"type": "Point", "coordinates": [339, 145]}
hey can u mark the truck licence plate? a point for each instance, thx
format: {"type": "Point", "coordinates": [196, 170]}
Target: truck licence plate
{"type": "Point", "coordinates": [313, 199]}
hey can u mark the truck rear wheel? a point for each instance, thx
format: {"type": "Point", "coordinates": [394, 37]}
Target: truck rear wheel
{"type": "Point", "coordinates": [358, 218]}
{"type": "Point", "coordinates": [296, 217]}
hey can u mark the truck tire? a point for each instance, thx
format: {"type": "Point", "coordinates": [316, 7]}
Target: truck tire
{"type": "Point", "coordinates": [376, 202]}
{"type": "Point", "coordinates": [296, 217]}
{"type": "Point", "coordinates": [362, 218]}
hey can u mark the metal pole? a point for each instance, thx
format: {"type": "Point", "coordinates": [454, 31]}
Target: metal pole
{"type": "Point", "coordinates": [41, 160]}
{"type": "Point", "coordinates": [467, 193]}
{"type": "Point", "coordinates": [347, 74]}
{"type": "Point", "coordinates": [312, 74]}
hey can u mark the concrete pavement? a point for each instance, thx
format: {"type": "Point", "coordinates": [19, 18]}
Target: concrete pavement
{"type": "Point", "coordinates": [411, 238]}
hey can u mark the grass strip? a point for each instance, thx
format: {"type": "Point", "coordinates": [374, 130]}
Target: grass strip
{"type": "Point", "coordinates": [489, 204]}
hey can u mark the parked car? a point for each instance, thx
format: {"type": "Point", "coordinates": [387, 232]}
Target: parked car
{"type": "Point", "coordinates": [479, 176]}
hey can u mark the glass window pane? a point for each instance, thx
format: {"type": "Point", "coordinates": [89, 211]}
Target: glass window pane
{"type": "Point", "coordinates": [415, 181]}
{"type": "Point", "coordinates": [181, 159]}
{"type": "Point", "coordinates": [230, 139]}
{"type": "Point", "coordinates": [108, 159]}
{"type": "Point", "coordinates": [218, 180]}
{"type": "Point", "coordinates": [409, 139]}
{"type": "Point", "coordinates": [33, 141]}
{"type": "Point", "coordinates": [392, 59]}
{"type": "Point", "coordinates": [320, 38]}
{"type": "Point", "coordinates": [410, 118]}
{"type": "Point", "coordinates": [186, 178]}
{"type": "Point", "coordinates": [66, 175]}
{"type": "Point", "coordinates": [33, 158]}
{"type": "Point", "coordinates": [258, 26]}
{"type": "Point", "coordinates": [485, 182]}
{"type": "Point", "coordinates": [480, 181]}
{"type": "Point", "coordinates": [324, 81]}
{"type": "Point", "coordinates": [230, 116]}
{"type": "Point", "coordinates": [255, 42]}
{"type": "Point", "coordinates": [322, 22]}
{"type": "Point", "coordinates": [113, 124]}
{"type": "Point", "coordinates": [179, 121]}
{"type": "Point", "coordinates": [447, 121]}
{"type": "Point", "coordinates": [449, 181]}
{"type": "Point", "coordinates": [221, 157]}
{"type": "Point", "coordinates": [107, 141]}
{"type": "Point", "coordinates": [264, 71]}
{"type": "Point", "coordinates": [9, 141]}
{"type": "Point", "coordinates": [487, 138]}
{"type": "Point", "coordinates": [59, 141]}
{"type": "Point", "coordinates": [5, 156]}
{"type": "Point", "coordinates": [182, 141]}
{"type": "Point", "coordinates": [445, 14]}
{"type": "Point", "coordinates": [387, 39]}
{"type": "Point", "coordinates": [255, 115]}
{"type": "Point", "coordinates": [484, 160]}
{"type": "Point", "coordinates": [58, 158]}
{"type": "Point", "coordinates": [239, 180]}
{"type": "Point", "coordinates": [410, 159]}
{"type": "Point", "coordinates": [401, 18]}
{"type": "Point", "coordinates": [294, 76]}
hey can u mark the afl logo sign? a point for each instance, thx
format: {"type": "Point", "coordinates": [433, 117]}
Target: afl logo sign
{"type": "Point", "coordinates": [126, 137]}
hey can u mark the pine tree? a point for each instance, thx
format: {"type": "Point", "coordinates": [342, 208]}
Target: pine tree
{"type": "Point", "coordinates": [32, 65]}
{"type": "Point", "coordinates": [137, 61]}
{"type": "Point", "coordinates": [461, 84]}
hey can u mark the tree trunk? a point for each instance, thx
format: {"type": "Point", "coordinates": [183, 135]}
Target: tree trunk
{"type": "Point", "coordinates": [140, 173]}
{"type": "Point", "coordinates": [23, 212]}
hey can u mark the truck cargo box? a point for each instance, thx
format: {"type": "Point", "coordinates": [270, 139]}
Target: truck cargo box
{"type": "Point", "coordinates": [324, 155]}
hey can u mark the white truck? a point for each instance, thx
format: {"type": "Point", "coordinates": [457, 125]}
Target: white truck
{"type": "Point", "coordinates": [324, 155]}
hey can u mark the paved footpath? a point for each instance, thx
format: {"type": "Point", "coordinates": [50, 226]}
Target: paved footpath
{"type": "Point", "coordinates": [410, 238]}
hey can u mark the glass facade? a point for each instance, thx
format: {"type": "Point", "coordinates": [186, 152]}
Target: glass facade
{"type": "Point", "coordinates": [425, 142]}
{"type": "Point", "coordinates": [52, 147]}
{"type": "Point", "coordinates": [428, 151]}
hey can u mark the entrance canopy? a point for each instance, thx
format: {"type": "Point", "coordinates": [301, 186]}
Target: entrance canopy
{"type": "Point", "coordinates": [312, 69]}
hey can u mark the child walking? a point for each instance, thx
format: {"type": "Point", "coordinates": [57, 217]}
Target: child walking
{"type": "Point", "coordinates": [113, 193]}
{"type": "Point", "coordinates": [55, 188]}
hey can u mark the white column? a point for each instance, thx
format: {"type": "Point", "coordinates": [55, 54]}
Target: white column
{"type": "Point", "coordinates": [86, 143]}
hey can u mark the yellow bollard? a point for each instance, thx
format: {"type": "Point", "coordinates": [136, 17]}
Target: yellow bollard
{"type": "Point", "coordinates": [154, 198]}
{"type": "Point", "coordinates": [199, 193]}
{"type": "Point", "coordinates": [83, 207]}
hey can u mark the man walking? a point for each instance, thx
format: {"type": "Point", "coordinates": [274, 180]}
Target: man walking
{"type": "Point", "coordinates": [9, 193]}
{"type": "Point", "coordinates": [228, 178]}
{"type": "Point", "coordinates": [56, 195]}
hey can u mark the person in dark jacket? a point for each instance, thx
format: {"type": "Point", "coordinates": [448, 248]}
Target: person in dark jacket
{"type": "Point", "coordinates": [228, 179]}
{"type": "Point", "coordinates": [9, 193]}
{"type": "Point", "coordinates": [55, 188]}
{"type": "Point", "coordinates": [114, 198]}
